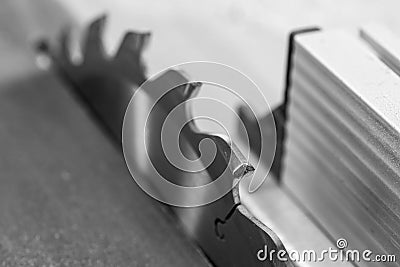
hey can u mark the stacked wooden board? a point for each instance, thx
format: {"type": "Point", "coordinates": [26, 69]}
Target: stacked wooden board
{"type": "Point", "coordinates": [342, 158]}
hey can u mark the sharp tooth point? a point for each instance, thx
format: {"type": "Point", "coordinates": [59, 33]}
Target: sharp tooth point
{"type": "Point", "coordinates": [196, 85]}
{"type": "Point", "coordinates": [135, 41]}
{"type": "Point", "coordinates": [131, 39]}
{"type": "Point", "coordinates": [192, 88]}
{"type": "Point", "coordinates": [97, 26]}
{"type": "Point", "coordinates": [100, 20]}
{"type": "Point", "coordinates": [93, 45]}
{"type": "Point", "coordinates": [132, 46]}
{"type": "Point", "coordinates": [145, 37]}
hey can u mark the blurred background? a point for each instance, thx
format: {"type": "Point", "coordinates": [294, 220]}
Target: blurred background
{"type": "Point", "coordinates": [250, 35]}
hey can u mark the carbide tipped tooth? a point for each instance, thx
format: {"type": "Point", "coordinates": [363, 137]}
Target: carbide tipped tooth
{"type": "Point", "coordinates": [143, 40]}
{"type": "Point", "coordinates": [133, 43]}
{"type": "Point", "coordinates": [192, 89]}
{"type": "Point", "coordinates": [93, 47]}
{"type": "Point", "coordinates": [129, 56]}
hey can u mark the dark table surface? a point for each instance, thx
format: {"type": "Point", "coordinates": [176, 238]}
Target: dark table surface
{"type": "Point", "coordinates": [66, 196]}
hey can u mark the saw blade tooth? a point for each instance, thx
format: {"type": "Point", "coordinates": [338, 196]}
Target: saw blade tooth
{"type": "Point", "coordinates": [192, 89]}
{"type": "Point", "coordinates": [133, 43]}
{"type": "Point", "coordinates": [93, 47]}
{"type": "Point", "coordinates": [144, 39]}
{"type": "Point", "coordinates": [129, 56]}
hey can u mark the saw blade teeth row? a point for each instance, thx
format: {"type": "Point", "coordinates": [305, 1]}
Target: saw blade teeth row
{"type": "Point", "coordinates": [127, 61]}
